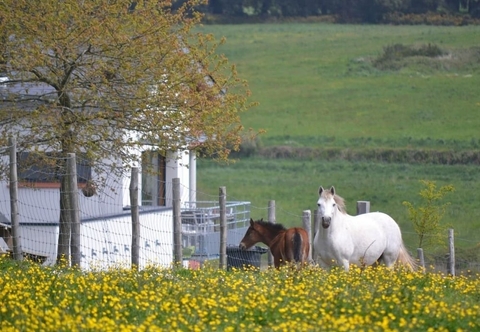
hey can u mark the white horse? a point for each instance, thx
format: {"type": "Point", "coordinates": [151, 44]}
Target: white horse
{"type": "Point", "coordinates": [366, 239]}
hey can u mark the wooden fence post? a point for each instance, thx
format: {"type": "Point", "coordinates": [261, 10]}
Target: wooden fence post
{"type": "Point", "coordinates": [15, 223]}
{"type": "Point", "coordinates": [74, 210]}
{"type": "Point", "coordinates": [421, 258]}
{"type": "Point", "coordinates": [451, 256]}
{"type": "Point", "coordinates": [316, 227]}
{"type": "Point", "coordinates": [222, 194]}
{"type": "Point", "coordinates": [307, 224]}
{"type": "Point", "coordinates": [135, 218]}
{"type": "Point", "coordinates": [177, 224]}
{"type": "Point", "coordinates": [363, 207]}
{"type": "Point", "coordinates": [271, 218]}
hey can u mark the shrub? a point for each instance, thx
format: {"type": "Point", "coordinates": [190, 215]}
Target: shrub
{"type": "Point", "coordinates": [393, 56]}
{"type": "Point", "coordinates": [426, 217]}
{"type": "Point", "coordinates": [249, 147]}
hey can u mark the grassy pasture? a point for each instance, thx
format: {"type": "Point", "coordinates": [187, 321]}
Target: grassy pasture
{"type": "Point", "coordinates": [293, 184]}
{"type": "Point", "coordinates": [316, 87]}
{"type": "Point", "coordinates": [314, 80]}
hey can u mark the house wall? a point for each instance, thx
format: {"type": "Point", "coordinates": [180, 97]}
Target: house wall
{"type": "Point", "coordinates": [106, 242]}
{"type": "Point", "coordinates": [177, 167]}
{"type": "Point", "coordinates": [42, 205]}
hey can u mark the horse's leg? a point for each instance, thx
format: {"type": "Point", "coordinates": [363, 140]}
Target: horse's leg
{"type": "Point", "coordinates": [321, 262]}
{"type": "Point", "coordinates": [384, 260]}
{"type": "Point", "coordinates": [346, 264]}
{"type": "Point", "coordinates": [305, 253]}
{"type": "Point", "coordinates": [277, 262]}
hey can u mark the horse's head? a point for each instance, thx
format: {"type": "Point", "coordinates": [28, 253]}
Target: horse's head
{"type": "Point", "coordinates": [327, 206]}
{"type": "Point", "coordinates": [252, 236]}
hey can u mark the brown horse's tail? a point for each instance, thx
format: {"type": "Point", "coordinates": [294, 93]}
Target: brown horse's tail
{"type": "Point", "coordinates": [405, 259]}
{"type": "Point", "coordinates": [297, 247]}
{"type": "Point", "coordinates": [301, 246]}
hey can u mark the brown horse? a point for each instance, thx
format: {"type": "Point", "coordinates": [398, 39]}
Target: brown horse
{"type": "Point", "coordinates": [286, 245]}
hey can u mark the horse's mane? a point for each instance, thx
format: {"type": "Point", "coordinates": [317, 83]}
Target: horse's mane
{"type": "Point", "coordinates": [338, 200]}
{"type": "Point", "coordinates": [340, 203]}
{"type": "Point", "coordinates": [271, 225]}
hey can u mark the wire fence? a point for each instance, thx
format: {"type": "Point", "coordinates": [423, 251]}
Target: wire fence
{"type": "Point", "coordinates": [106, 223]}
{"type": "Point", "coordinates": [436, 259]}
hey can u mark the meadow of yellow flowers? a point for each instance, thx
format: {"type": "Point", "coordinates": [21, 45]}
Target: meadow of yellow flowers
{"type": "Point", "coordinates": [37, 298]}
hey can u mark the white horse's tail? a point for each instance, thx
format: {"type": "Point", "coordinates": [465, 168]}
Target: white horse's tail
{"type": "Point", "coordinates": [405, 259]}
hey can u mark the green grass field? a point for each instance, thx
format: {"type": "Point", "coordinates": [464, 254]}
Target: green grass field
{"type": "Point", "coordinates": [313, 80]}
{"type": "Point", "coordinates": [316, 87]}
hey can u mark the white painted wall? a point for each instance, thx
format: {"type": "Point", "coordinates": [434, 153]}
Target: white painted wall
{"type": "Point", "coordinates": [43, 205]}
{"type": "Point", "coordinates": [177, 167]}
{"type": "Point", "coordinates": [107, 242]}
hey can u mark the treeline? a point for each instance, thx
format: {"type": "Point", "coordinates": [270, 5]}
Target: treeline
{"type": "Point", "coordinates": [347, 11]}
{"type": "Point", "coordinates": [384, 155]}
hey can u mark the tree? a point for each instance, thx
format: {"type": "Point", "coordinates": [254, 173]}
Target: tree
{"type": "Point", "coordinates": [112, 76]}
{"type": "Point", "coordinates": [426, 217]}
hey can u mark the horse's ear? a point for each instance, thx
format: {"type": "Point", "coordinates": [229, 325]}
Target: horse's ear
{"type": "Point", "coordinates": [251, 222]}
{"type": "Point", "coordinates": [332, 190]}
{"type": "Point", "coordinates": [320, 190]}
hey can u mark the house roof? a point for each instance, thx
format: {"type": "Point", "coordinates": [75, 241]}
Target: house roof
{"type": "Point", "coordinates": [35, 93]}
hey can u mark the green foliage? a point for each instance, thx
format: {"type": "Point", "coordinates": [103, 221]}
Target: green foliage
{"type": "Point", "coordinates": [430, 18]}
{"type": "Point", "coordinates": [427, 216]}
{"type": "Point", "coordinates": [347, 11]}
{"type": "Point", "coordinates": [250, 146]}
{"type": "Point", "coordinates": [393, 55]}
{"type": "Point", "coordinates": [115, 82]}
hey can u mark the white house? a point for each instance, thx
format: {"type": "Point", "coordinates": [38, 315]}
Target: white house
{"type": "Point", "coordinates": [105, 216]}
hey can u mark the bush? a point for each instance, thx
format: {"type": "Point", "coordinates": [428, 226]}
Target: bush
{"type": "Point", "coordinates": [393, 55]}
{"type": "Point", "coordinates": [249, 147]}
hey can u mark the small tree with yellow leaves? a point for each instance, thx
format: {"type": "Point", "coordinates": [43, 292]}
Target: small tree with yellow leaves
{"type": "Point", "coordinates": [426, 217]}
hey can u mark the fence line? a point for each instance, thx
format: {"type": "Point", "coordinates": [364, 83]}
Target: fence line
{"type": "Point", "coordinates": [123, 238]}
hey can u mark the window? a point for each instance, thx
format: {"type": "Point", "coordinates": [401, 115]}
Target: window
{"type": "Point", "coordinates": [36, 168]}
{"type": "Point", "coordinates": [153, 178]}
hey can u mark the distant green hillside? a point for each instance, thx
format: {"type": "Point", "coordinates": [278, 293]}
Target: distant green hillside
{"type": "Point", "coordinates": [335, 114]}
{"type": "Point", "coordinates": [317, 85]}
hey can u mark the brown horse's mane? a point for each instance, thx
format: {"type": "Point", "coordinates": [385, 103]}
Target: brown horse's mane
{"type": "Point", "coordinates": [270, 225]}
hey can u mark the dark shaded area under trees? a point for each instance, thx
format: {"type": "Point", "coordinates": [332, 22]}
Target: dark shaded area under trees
{"type": "Point", "coordinates": [344, 11]}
